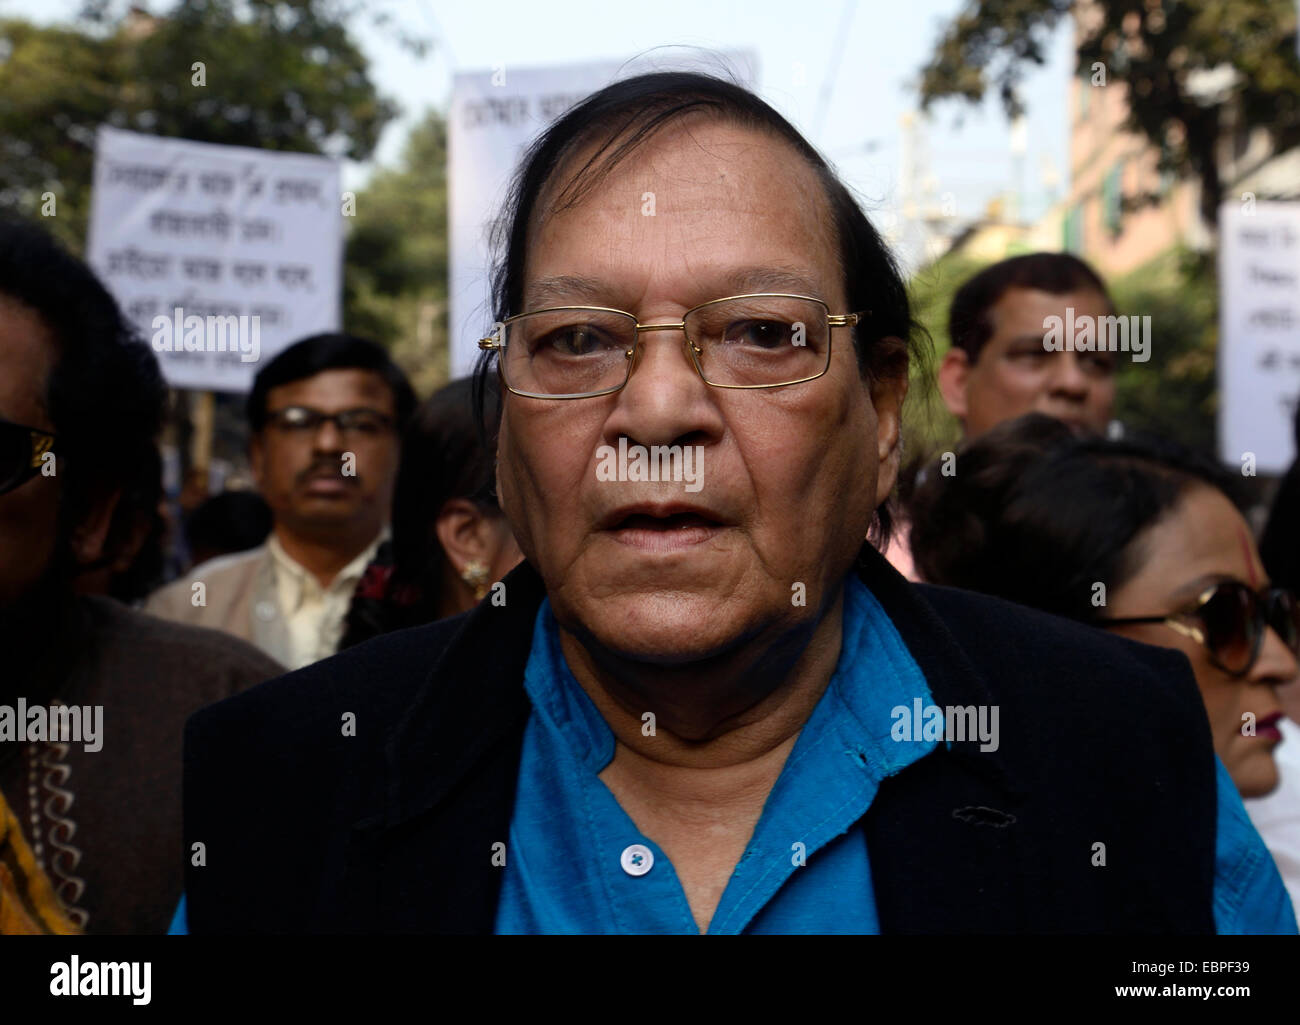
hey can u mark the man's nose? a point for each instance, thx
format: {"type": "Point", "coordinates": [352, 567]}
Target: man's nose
{"type": "Point", "coordinates": [665, 399]}
{"type": "Point", "coordinates": [328, 437]}
{"type": "Point", "coordinates": [1068, 376]}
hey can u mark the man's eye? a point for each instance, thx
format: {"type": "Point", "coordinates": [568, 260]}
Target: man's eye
{"type": "Point", "coordinates": [575, 341]}
{"type": "Point", "coordinates": [1027, 355]}
{"type": "Point", "coordinates": [296, 419]}
{"type": "Point", "coordinates": [763, 334]}
{"type": "Point", "coordinates": [1099, 363]}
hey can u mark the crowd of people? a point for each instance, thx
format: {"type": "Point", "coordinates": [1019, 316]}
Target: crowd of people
{"type": "Point", "coordinates": [511, 696]}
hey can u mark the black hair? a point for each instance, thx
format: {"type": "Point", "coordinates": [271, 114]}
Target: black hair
{"type": "Point", "coordinates": [969, 326]}
{"type": "Point", "coordinates": [329, 351]}
{"type": "Point", "coordinates": [1037, 514]}
{"type": "Point", "coordinates": [105, 394]}
{"type": "Point", "coordinates": [232, 521]}
{"type": "Point", "coordinates": [443, 457]}
{"type": "Point", "coordinates": [623, 116]}
{"type": "Point", "coordinates": [1279, 547]}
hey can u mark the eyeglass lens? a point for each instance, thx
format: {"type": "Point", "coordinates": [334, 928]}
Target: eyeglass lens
{"type": "Point", "coordinates": [744, 341]}
{"type": "Point", "coordinates": [1235, 619]}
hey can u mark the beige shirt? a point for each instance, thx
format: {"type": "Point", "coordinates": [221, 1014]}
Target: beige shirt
{"type": "Point", "coordinates": [313, 616]}
{"type": "Point", "coordinates": [266, 598]}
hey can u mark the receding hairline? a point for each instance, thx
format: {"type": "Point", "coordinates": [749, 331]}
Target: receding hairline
{"type": "Point", "coordinates": [604, 152]}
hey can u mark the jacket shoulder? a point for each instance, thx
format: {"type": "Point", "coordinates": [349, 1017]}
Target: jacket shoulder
{"type": "Point", "coordinates": [375, 681]}
{"type": "Point", "coordinates": [1019, 649]}
{"type": "Point", "coordinates": [203, 653]}
{"type": "Point", "coordinates": [226, 575]}
{"type": "Point", "coordinates": [276, 780]}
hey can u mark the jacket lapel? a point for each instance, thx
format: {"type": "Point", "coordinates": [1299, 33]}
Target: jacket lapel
{"type": "Point", "coordinates": [429, 862]}
{"type": "Point", "coordinates": [946, 836]}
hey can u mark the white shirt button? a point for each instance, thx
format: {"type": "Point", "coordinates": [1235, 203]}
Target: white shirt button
{"type": "Point", "coordinates": [265, 610]}
{"type": "Point", "coordinates": [637, 859]}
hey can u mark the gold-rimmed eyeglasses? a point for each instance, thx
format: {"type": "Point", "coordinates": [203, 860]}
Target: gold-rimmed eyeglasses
{"type": "Point", "coordinates": [762, 340]}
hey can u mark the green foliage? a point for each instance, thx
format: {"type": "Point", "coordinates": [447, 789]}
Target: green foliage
{"type": "Point", "coordinates": [395, 273]}
{"type": "Point", "coordinates": [928, 427]}
{"type": "Point", "coordinates": [1172, 394]}
{"type": "Point", "coordinates": [278, 75]}
{"type": "Point", "coordinates": [1159, 49]}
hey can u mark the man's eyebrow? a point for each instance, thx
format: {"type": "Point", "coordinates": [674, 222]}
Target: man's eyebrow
{"type": "Point", "coordinates": [567, 289]}
{"type": "Point", "coordinates": [771, 279]}
{"type": "Point", "coordinates": [563, 290]}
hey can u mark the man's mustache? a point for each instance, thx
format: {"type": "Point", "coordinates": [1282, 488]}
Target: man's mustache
{"type": "Point", "coordinates": [331, 468]}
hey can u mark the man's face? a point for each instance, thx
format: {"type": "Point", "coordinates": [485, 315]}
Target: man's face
{"type": "Point", "coordinates": [791, 476]}
{"type": "Point", "coordinates": [321, 479]}
{"type": "Point", "coordinates": [28, 514]}
{"type": "Point", "coordinates": [1015, 374]}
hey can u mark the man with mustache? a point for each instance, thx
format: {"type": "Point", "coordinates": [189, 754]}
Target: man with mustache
{"type": "Point", "coordinates": [326, 417]}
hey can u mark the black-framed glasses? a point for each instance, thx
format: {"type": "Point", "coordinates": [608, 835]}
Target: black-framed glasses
{"type": "Point", "coordinates": [22, 453]}
{"type": "Point", "coordinates": [1230, 620]}
{"type": "Point", "coordinates": [762, 340]}
{"type": "Point", "coordinates": [304, 420]}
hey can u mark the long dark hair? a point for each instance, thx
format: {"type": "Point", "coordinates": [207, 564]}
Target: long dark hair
{"type": "Point", "coordinates": [1036, 514]}
{"type": "Point", "coordinates": [443, 457]}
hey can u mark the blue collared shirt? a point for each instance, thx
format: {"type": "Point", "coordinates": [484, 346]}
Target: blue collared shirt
{"type": "Point", "coordinates": [806, 868]}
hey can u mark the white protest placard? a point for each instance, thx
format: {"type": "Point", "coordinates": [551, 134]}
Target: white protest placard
{"type": "Point", "coordinates": [220, 255]}
{"type": "Point", "coordinates": [1259, 332]}
{"type": "Point", "coordinates": [494, 116]}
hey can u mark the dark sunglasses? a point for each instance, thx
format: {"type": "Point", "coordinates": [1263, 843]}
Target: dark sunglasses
{"type": "Point", "coordinates": [22, 451]}
{"type": "Point", "coordinates": [1230, 620]}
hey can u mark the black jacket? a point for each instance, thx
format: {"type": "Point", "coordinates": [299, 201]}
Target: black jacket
{"type": "Point", "coordinates": [1103, 741]}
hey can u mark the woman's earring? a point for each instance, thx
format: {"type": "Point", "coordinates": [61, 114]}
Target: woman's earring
{"type": "Point", "coordinates": [476, 578]}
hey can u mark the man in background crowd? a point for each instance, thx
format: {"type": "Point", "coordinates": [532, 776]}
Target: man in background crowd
{"type": "Point", "coordinates": [999, 366]}
{"type": "Point", "coordinates": [94, 696]}
{"type": "Point", "coordinates": [326, 417]}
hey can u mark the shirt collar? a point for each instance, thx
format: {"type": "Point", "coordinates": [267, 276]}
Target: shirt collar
{"type": "Point", "coordinates": [294, 581]}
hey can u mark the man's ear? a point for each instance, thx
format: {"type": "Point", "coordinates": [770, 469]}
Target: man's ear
{"type": "Point", "coordinates": [887, 396]}
{"type": "Point", "coordinates": [89, 535]}
{"type": "Point", "coordinates": [954, 373]}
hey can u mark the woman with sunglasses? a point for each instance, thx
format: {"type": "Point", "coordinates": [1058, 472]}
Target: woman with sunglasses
{"type": "Point", "coordinates": [1135, 536]}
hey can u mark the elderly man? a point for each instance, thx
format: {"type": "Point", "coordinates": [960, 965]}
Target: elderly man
{"type": "Point", "coordinates": [326, 417]}
{"type": "Point", "coordinates": [705, 710]}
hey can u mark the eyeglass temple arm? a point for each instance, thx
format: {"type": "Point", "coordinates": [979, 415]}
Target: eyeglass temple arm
{"type": "Point", "coordinates": [1169, 621]}
{"type": "Point", "coordinates": [41, 442]}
